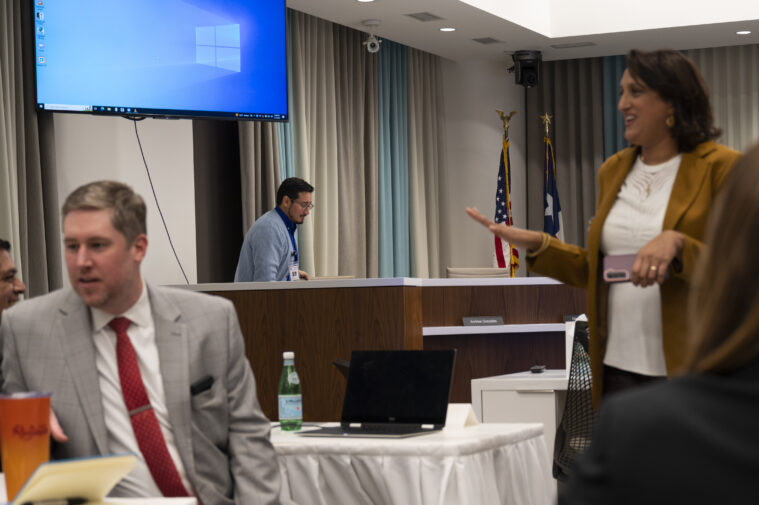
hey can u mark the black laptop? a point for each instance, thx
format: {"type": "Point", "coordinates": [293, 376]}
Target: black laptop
{"type": "Point", "coordinates": [394, 394]}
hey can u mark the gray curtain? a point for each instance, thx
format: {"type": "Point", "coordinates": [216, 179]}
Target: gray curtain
{"type": "Point", "coordinates": [614, 126]}
{"type": "Point", "coordinates": [334, 120]}
{"type": "Point", "coordinates": [259, 169]}
{"type": "Point", "coordinates": [572, 92]}
{"type": "Point", "coordinates": [426, 161]}
{"type": "Point", "coordinates": [732, 74]}
{"type": "Point", "coordinates": [30, 215]}
{"type": "Point", "coordinates": [356, 85]}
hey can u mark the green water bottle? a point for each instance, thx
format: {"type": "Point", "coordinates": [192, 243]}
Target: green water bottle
{"type": "Point", "coordinates": [290, 399]}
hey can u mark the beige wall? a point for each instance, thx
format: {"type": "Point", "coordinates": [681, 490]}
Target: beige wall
{"type": "Point", "coordinates": [90, 148]}
{"type": "Point", "coordinates": [473, 91]}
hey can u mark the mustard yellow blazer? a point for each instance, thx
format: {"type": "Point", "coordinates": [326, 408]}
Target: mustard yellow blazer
{"type": "Point", "coordinates": [697, 181]}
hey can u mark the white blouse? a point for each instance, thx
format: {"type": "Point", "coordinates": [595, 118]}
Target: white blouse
{"type": "Point", "coordinates": [634, 341]}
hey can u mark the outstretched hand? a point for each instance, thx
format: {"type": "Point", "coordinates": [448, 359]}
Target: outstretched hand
{"type": "Point", "coordinates": [653, 260]}
{"type": "Point", "coordinates": [517, 237]}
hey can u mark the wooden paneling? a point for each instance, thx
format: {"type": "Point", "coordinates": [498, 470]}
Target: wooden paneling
{"type": "Point", "coordinates": [492, 354]}
{"type": "Point", "coordinates": [546, 303]}
{"type": "Point", "coordinates": [320, 325]}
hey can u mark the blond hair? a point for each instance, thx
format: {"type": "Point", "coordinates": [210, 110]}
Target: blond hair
{"type": "Point", "coordinates": [127, 207]}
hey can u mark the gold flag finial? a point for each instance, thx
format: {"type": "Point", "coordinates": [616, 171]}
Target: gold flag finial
{"type": "Point", "coordinates": [505, 118]}
{"type": "Point", "coordinates": [546, 118]}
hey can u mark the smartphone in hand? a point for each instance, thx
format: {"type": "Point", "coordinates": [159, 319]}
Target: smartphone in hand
{"type": "Point", "coordinates": [618, 268]}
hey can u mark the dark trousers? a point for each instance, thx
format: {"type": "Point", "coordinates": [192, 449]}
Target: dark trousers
{"type": "Point", "coordinates": [616, 380]}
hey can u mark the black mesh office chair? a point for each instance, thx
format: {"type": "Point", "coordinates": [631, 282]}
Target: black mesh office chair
{"type": "Point", "coordinates": [576, 427]}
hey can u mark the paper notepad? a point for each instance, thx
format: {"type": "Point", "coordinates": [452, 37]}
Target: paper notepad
{"type": "Point", "coordinates": [88, 478]}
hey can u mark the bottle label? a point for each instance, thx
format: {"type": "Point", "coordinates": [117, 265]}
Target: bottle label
{"type": "Point", "coordinates": [292, 378]}
{"type": "Point", "coordinates": [290, 407]}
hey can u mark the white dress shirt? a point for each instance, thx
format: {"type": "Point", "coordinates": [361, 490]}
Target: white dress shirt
{"type": "Point", "coordinates": [634, 336]}
{"type": "Point", "coordinates": [120, 434]}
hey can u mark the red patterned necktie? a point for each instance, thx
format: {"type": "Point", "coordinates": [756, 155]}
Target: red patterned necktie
{"type": "Point", "coordinates": [144, 422]}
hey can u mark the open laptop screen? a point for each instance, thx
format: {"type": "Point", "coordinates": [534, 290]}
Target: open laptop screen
{"type": "Point", "coordinates": [403, 387]}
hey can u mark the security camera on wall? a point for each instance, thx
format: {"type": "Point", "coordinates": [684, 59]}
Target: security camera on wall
{"type": "Point", "coordinates": [527, 68]}
{"type": "Point", "coordinates": [372, 44]}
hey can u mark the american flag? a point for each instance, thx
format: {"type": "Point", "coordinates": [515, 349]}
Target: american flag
{"type": "Point", "coordinates": [505, 255]}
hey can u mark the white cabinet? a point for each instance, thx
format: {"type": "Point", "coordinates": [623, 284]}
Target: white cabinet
{"type": "Point", "coordinates": [522, 397]}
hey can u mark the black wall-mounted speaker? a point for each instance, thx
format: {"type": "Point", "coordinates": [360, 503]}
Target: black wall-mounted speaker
{"type": "Point", "coordinates": [527, 67]}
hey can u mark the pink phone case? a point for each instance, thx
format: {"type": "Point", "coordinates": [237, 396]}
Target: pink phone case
{"type": "Point", "coordinates": [617, 268]}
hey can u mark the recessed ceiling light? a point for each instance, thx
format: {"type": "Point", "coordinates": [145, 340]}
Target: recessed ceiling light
{"type": "Point", "coordinates": [364, 1]}
{"type": "Point", "coordinates": [448, 29]}
{"type": "Point", "coordinates": [743, 32]}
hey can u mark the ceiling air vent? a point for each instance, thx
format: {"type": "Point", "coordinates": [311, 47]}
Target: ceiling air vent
{"type": "Point", "coordinates": [572, 45]}
{"type": "Point", "coordinates": [486, 41]}
{"type": "Point", "coordinates": [424, 16]}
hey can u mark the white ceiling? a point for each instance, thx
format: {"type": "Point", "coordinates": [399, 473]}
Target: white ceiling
{"type": "Point", "coordinates": [472, 22]}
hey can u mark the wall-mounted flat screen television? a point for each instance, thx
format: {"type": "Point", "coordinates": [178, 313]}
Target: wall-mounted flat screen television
{"type": "Point", "coordinates": [164, 58]}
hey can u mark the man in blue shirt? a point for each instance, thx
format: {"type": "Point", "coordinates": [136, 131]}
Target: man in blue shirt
{"type": "Point", "coordinates": [269, 252]}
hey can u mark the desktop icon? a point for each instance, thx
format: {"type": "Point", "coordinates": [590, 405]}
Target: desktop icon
{"type": "Point", "coordinates": [41, 29]}
{"type": "Point", "coordinates": [41, 60]}
{"type": "Point", "coordinates": [40, 15]}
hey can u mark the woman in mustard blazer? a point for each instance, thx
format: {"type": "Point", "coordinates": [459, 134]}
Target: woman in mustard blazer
{"type": "Point", "coordinates": [693, 439]}
{"type": "Point", "coordinates": [654, 200]}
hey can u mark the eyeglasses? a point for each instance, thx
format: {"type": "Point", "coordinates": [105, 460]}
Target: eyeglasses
{"type": "Point", "coordinates": [304, 205]}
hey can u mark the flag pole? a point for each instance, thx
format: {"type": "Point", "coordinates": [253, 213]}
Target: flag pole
{"type": "Point", "coordinates": [552, 207]}
{"type": "Point", "coordinates": [505, 255]}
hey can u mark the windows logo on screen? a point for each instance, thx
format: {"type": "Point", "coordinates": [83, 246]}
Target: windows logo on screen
{"type": "Point", "coordinates": [218, 46]}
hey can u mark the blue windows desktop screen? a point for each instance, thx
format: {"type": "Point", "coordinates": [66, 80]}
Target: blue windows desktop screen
{"type": "Point", "coordinates": [183, 58]}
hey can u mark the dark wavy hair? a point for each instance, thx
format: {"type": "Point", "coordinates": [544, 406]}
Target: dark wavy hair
{"type": "Point", "coordinates": [676, 79]}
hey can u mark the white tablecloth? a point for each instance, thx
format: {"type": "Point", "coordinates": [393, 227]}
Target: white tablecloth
{"type": "Point", "coordinates": [487, 464]}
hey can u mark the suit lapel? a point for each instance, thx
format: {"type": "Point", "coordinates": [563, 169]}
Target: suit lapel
{"type": "Point", "coordinates": [173, 354]}
{"type": "Point", "coordinates": [78, 350]}
{"type": "Point", "coordinates": [688, 181]}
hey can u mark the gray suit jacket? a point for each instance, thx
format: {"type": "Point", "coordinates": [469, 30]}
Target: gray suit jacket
{"type": "Point", "coordinates": [221, 433]}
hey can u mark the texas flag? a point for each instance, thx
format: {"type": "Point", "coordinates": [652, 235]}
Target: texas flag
{"type": "Point", "coordinates": [551, 205]}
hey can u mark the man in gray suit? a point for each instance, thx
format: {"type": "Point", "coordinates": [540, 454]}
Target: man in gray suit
{"type": "Point", "coordinates": [182, 351]}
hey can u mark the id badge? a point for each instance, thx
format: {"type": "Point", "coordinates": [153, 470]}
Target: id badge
{"type": "Point", "coordinates": [294, 272]}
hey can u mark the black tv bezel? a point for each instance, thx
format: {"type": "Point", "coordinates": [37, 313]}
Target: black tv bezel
{"type": "Point", "coordinates": [156, 113]}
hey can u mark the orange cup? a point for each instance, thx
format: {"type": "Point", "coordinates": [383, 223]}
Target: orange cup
{"type": "Point", "coordinates": [24, 436]}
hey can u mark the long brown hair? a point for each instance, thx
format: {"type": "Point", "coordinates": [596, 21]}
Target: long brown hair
{"type": "Point", "coordinates": [724, 301]}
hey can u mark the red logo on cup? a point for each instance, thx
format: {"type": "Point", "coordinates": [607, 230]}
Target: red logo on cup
{"type": "Point", "coordinates": [28, 434]}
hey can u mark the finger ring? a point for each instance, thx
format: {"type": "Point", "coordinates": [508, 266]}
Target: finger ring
{"type": "Point", "coordinates": [653, 267]}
